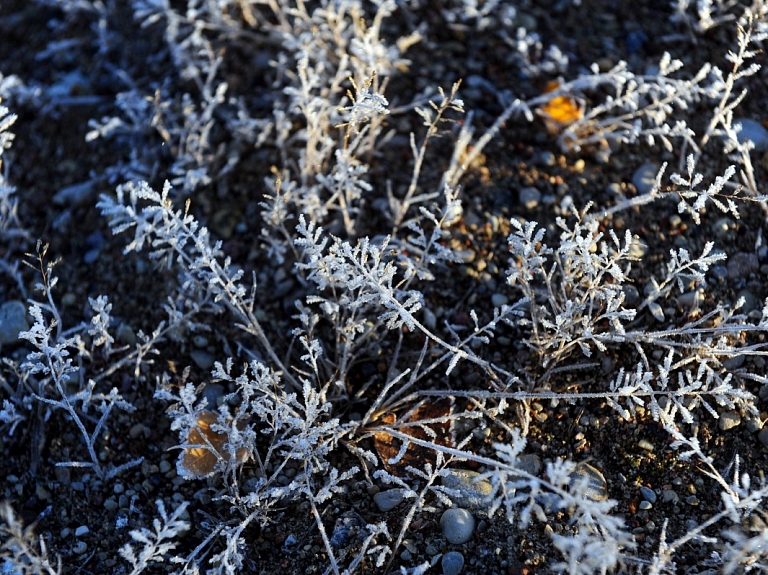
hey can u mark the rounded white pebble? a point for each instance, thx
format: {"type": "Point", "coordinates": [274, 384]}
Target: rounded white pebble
{"type": "Point", "coordinates": [457, 525]}
{"type": "Point", "coordinates": [452, 563]}
{"type": "Point", "coordinates": [82, 530]}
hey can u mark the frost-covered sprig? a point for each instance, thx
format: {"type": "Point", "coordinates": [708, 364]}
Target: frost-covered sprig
{"type": "Point", "coordinates": [367, 104]}
{"type": "Point", "coordinates": [158, 543]}
{"type": "Point", "coordinates": [574, 292]}
{"type": "Point", "coordinates": [432, 117]}
{"type": "Point", "coordinates": [687, 189]}
{"type": "Point", "coordinates": [52, 364]}
{"type": "Point", "coordinates": [682, 271]}
{"type": "Point", "coordinates": [20, 551]}
{"type": "Point", "coordinates": [750, 35]}
{"type": "Point", "coordinates": [175, 236]}
{"type": "Point", "coordinates": [737, 550]}
{"type": "Point", "coordinates": [365, 278]}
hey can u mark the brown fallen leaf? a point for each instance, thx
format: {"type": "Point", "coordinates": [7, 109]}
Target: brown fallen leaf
{"type": "Point", "coordinates": [423, 423]}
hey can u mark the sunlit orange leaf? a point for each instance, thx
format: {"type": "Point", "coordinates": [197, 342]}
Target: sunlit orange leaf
{"type": "Point", "coordinates": [560, 111]}
{"type": "Point", "coordinates": [199, 462]}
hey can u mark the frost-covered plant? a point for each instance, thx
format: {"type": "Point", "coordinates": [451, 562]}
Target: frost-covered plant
{"type": "Point", "coordinates": [362, 245]}
{"type": "Point", "coordinates": [54, 379]}
{"type": "Point", "coordinates": [158, 543]}
{"type": "Point", "coordinates": [21, 552]}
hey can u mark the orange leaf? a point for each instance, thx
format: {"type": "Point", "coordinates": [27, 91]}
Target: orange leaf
{"type": "Point", "coordinates": [199, 462]}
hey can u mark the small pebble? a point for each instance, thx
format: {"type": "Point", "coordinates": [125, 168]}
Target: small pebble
{"type": "Point", "coordinates": [547, 158]}
{"type": "Point", "coordinates": [125, 334]}
{"type": "Point", "coordinates": [499, 299]}
{"type": "Point", "coordinates": [644, 178]}
{"type": "Point", "coordinates": [597, 487]}
{"type": "Point", "coordinates": [648, 494]}
{"type": "Point", "coordinates": [452, 563]}
{"type": "Point", "coordinates": [729, 420]}
{"type": "Point", "coordinates": [13, 319]}
{"type": "Point", "coordinates": [645, 505]}
{"type": "Point", "coordinates": [136, 431]}
{"type": "Point", "coordinates": [645, 444]}
{"type": "Point", "coordinates": [82, 530]}
{"type": "Point", "coordinates": [389, 499]}
{"type": "Point", "coordinates": [530, 197]}
{"type": "Point", "coordinates": [763, 436]}
{"type": "Point", "coordinates": [670, 496]}
{"type": "Point", "coordinates": [754, 131]}
{"type": "Point", "coordinates": [656, 311]}
{"type": "Point", "coordinates": [457, 525]}
{"type": "Point", "coordinates": [42, 493]}
{"type": "Point", "coordinates": [80, 547]}
{"type": "Point", "coordinates": [202, 359]}
{"type": "Point", "coordinates": [472, 494]}
{"type": "Point", "coordinates": [530, 463]}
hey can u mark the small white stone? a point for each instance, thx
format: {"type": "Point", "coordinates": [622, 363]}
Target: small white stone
{"type": "Point", "coordinates": [82, 530]}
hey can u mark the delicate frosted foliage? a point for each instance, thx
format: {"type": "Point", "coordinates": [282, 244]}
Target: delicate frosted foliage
{"type": "Point", "coordinates": [385, 359]}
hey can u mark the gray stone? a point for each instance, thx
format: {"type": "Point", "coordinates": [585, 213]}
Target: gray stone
{"type": "Point", "coordinates": [125, 334]}
{"type": "Point", "coordinates": [763, 436]}
{"type": "Point", "coordinates": [670, 496]}
{"type": "Point", "coordinates": [13, 320]}
{"type": "Point", "coordinates": [389, 499]}
{"type": "Point", "coordinates": [530, 197]}
{"type": "Point", "coordinates": [473, 494]}
{"type": "Point", "coordinates": [202, 359]}
{"type": "Point", "coordinates": [656, 311]}
{"type": "Point", "coordinates": [648, 494]}
{"type": "Point", "coordinates": [754, 131]}
{"type": "Point", "coordinates": [499, 299]}
{"type": "Point", "coordinates": [729, 420]}
{"type": "Point", "coordinates": [457, 525]}
{"type": "Point", "coordinates": [530, 463]}
{"type": "Point", "coordinates": [597, 487]}
{"type": "Point", "coordinates": [742, 264]}
{"type": "Point", "coordinates": [452, 563]}
{"type": "Point", "coordinates": [644, 178]}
